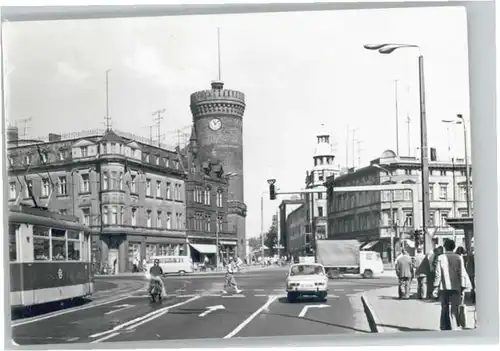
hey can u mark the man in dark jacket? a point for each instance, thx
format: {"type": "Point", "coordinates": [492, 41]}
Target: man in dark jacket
{"type": "Point", "coordinates": [404, 271]}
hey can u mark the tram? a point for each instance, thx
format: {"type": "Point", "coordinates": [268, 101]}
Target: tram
{"type": "Point", "coordinates": [50, 257]}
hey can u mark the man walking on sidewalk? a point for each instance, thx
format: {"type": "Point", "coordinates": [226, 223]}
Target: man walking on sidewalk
{"type": "Point", "coordinates": [404, 271]}
{"type": "Point", "coordinates": [422, 269]}
{"type": "Point", "coordinates": [449, 283]}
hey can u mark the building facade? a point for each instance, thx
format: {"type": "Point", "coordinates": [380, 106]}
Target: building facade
{"type": "Point", "coordinates": [218, 119]}
{"type": "Point", "coordinates": [132, 194]}
{"type": "Point", "coordinates": [207, 207]}
{"type": "Point", "coordinates": [298, 242]}
{"type": "Point", "coordinates": [366, 216]}
{"type": "Point", "coordinates": [324, 167]}
{"type": "Point", "coordinates": [286, 207]}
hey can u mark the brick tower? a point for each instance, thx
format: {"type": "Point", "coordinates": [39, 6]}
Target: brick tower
{"type": "Point", "coordinates": [218, 119]}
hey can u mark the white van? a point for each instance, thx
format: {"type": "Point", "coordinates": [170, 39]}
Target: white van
{"type": "Point", "coordinates": [172, 264]}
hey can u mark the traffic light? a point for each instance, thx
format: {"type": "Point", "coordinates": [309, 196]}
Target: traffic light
{"type": "Point", "coordinates": [272, 189]}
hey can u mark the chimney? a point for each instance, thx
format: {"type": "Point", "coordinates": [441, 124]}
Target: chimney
{"type": "Point", "coordinates": [433, 154]}
{"type": "Point", "coordinates": [54, 137]}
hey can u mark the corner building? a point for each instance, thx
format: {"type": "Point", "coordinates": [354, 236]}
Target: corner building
{"type": "Point", "coordinates": [218, 120]}
{"type": "Point", "coordinates": [131, 194]}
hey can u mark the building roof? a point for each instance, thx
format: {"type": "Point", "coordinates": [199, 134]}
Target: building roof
{"type": "Point", "coordinates": [111, 136]}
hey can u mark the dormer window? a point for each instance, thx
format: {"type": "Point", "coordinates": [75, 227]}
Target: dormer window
{"type": "Point", "coordinates": [61, 155]}
{"type": "Point", "coordinates": [147, 158]}
{"type": "Point", "coordinates": [84, 151]}
{"type": "Point", "coordinates": [167, 162]}
{"type": "Point", "coordinates": [27, 159]}
{"type": "Point", "coordinates": [113, 148]}
{"type": "Point", "coordinates": [158, 160]}
{"type": "Point", "coordinates": [43, 157]}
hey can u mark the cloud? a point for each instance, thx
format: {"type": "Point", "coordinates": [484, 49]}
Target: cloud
{"type": "Point", "coordinates": [64, 68]}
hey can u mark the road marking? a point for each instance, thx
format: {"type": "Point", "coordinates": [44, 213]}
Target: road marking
{"type": "Point", "coordinates": [304, 310]}
{"type": "Point", "coordinates": [260, 295]}
{"type": "Point", "coordinates": [229, 296]}
{"type": "Point", "coordinates": [211, 309]}
{"type": "Point", "coordinates": [212, 295]}
{"type": "Point", "coordinates": [278, 290]}
{"type": "Point", "coordinates": [73, 339]}
{"type": "Point", "coordinates": [120, 308]}
{"type": "Point", "coordinates": [140, 320]}
{"type": "Point", "coordinates": [59, 313]}
{"type": "Point", "coordinates": [258, 289]}
{"type": "Point", "coordinates": [199, 290]}
{"type": "Point", "coordinates": [105, 338]}
{"type": "Point", "coordinates": [252, 316]}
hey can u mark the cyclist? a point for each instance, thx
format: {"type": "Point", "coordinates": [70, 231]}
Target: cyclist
{"type": "Point", "coordinates": [156, 272]}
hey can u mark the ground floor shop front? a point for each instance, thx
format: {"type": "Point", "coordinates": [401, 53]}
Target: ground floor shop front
{"type": "Point", "coordinates": [119, 253]}
{"type": "Point", "coordinates": [203, 251]}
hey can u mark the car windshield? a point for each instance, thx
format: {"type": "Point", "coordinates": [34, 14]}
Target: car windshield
{"type": "Point", "coordinates": [306, 269]}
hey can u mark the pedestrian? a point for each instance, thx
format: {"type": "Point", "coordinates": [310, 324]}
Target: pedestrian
{"type": "Point", "coordinates": [430, 278]}
{"type": "Point", "coordinates": [461, 251]}
{"type": "Point", "coordinates": [404, 272]}
{"type": "Point", "coordinates": [450, 282]}
{"type": "Point", "coordinates": [422, 270]}
{"type": "Point", "coordinates": [230, 281]}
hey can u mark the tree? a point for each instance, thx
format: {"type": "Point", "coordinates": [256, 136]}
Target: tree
{"type": "Point", "coordinates": [255, 243]}
{"type": "Point", "coordinates": [271, 240]}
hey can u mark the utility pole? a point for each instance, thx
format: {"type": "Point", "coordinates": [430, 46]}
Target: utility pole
{"type": "Point", "coordinates": [359, 142]}
{"type": "Point", "coordinates": [158, 118]}
{"type": "Point", "coordinates": [218, 53]}
{"type": "Point", "coordinates": [353, 141]}
{"type": "Point", "coordinates": [107, 118]}
{"type": "Point", "coordinates": [397, 115]}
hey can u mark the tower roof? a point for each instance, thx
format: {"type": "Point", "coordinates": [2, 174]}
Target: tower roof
{"type": "Point", "coordinates": [217, 101]}
{"type": "Point", "coordinates": [111, 136]}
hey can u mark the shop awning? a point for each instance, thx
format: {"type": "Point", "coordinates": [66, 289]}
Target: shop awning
{"type": "Point", "coordinates": [231, 243]}
{"type": "Point", "coordinates": [370, 245]}
{"type": "Point", "coordinates": [204, 248]}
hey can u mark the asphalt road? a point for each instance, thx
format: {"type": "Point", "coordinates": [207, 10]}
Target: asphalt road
{"type": "Point", "coordinates": [195, 308]}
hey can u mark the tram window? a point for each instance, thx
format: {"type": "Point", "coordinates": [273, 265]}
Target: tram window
{"type": "Point", "coordinates": [41, 243]}
{"type": "Point", "coordinates": [58, 245]}
{"type": "Point", "coordinates": [74, 250]}
{"type": "Point", "coordinates": [12, 242]}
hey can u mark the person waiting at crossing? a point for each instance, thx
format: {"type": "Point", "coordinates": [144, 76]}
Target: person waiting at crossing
{"type": "Point", "coordinates": [230, 281]}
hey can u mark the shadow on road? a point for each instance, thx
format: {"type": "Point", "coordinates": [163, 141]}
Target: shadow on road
{"type": "Point", "coordinates": [38, 310]}
{"type": "Point", "coordinates": [307, 300]}
{"type": "Point", "coordinates": [403, 329]}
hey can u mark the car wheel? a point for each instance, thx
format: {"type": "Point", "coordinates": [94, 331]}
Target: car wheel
{"type": "Point", "coordinates": [333, 274]}
{"type": "Point", "coordinates": [368, 274]}
{"type": "Point", "coordinates": [182, 273]}
{"type": "Point", "coordinates": [322, 296]}
{"type": "Point", "coordinates": [291, 297]}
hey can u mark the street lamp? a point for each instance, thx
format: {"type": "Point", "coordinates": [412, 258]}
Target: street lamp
{"type": "Point", "coordinates": [389, 49]}
{"type": "Point", "coordinates": [389, 173]}
{"type": "Point", "coordinates": [461, 120]}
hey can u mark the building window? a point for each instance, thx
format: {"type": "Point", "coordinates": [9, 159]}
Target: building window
{"type": "Point", "coordinates": [443, 173]}
{"type": "Point", "coordinates": [114, 215]}
{"type": "Point", "coordinates": [408, 219]}
{"type": "Point", "coordinates": [158, 188]}
{"type": "Point", "coordinates": [463, 213]}
{"type": "Point", "coordinates": [84, 151]}
{"type": "Point", "coordinates": [320, 211]}
{"type": "Point", "coordinates": [431, 191]}
{"type": "Point", "coordinates": [147, 158]}
{"type": "Point", "coordinates": [27, 159]}
{"type": "Point", "coordinates": [321, 177]}
{"type": "Point", "coordinates": [113, 148]}
{"type": "Point", "coordinates": [207, 196]}
{"type": "Point", "coordinates": [443, 191]}
{"type": "Point", "coordinates": [177, 194]}
{"type": "Point", "coordinates": [157, 160]}
{"type": "Point", "coordinates": [407, 171]}
{"type": "Point", "coordinates": [63, 186]}
{"type": "Point", "coordinates": [444, 217]}
{"type": "Point", "coordinates": [12, 191]}
{"type": "Point", "coordinates": [86, 216]}
{"type": "Point", "coordinates": [158, 219]}
{"type": "Point", "coordinates": [169, 191]}
{"type": "Point", "coordinates": [167, 162]}
{"type": "Point", "coordinates": [148, 187]}
{"type": "Point", "coordinates": [43, 156]}
{"type": "Point", "coordinates": [179, 221]}
{"type": "Point", "coordinates": [61, 156]}
{"type": "Point", "coordinates": [121, 218]}
{"type": "Point", "coordinates": [105, 181]}
{"type": "Point", "coordinates": [29, 187]}
{"type": "Point", "coordinates": [148, 218]}
{"type": "Point", "coordinates": [219, 223]}
{"type": "Point", "coordinates": [105, 215]}
{"type": "Point", "coordinates": [219, 199]}
{"type": "Point", "coordinates": [320, 196]}
{"type": "Point", "coordinates": [120, 181]}
{"type": "Point", "coordinates": [85, 183]}
{"type": "Point", "coordinates": [169, 220]}
{"type": "Point", "coordinates": [114, 180]}
{"type": "Point", "coordinates": [133, 184]}
{"type": "Point", "coordinates": [462, 192]}
{"type": "Point", "coordinates": [432, 220]}
{"type": "Point", "coordinates": [133, 216]}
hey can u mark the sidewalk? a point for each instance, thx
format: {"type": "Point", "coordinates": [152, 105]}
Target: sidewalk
{"type": "Point", "coordinates": [393, 315]}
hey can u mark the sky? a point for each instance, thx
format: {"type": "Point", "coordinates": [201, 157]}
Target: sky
{"type": "Point", "coordinates": [298, 70]}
